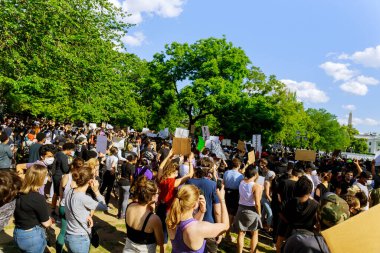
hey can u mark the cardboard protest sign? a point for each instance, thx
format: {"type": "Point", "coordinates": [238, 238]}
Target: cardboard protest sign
{"type": "Point", "coordinates": [192, 129]}
{"type": "Point", "coordinates": [305, 155]}
{"type": "Point", "coordinates": [101, 144]}
{"type": "Point", "coordinates": [226, 142]}
{"type": "Point", "coordinates": [92, 126]}
{"type": "Point", "coordinates": [201, 143]}
{"type": "Point", "coordinates": [251, 157]}
{"type": "Point", "coordinates": [241, 146]}
{"type": "Point", "coordinates": [205, 132]}
{"type": "Point", "coordinates": [181, 146]}
{"type": "Point", "coordinates": [360, 233]}
{"type": "Point", "coordinates": [181, 133]}
{"type": "Point", "coordinates": [118, 142]}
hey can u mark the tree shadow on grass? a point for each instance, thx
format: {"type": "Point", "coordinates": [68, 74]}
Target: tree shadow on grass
{"type": "Point", "coordinates": [111, 239]}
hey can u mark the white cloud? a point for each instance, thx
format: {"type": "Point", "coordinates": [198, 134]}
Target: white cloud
{"type": "Point", "coordinates": [369, 57]}
{"type": "Point", "coordinates": [354, 87]}
{"type": "Point", "coordinates": [134, 40]}
{"type": "Point", "coordinates": [359, 121]}
{"type": "Point", "coordinates": [306, 91]}
{"type": "Point", "coordinates": [339, 71]}
{"type": "Point", "coordinates": [367, 80]}
{"type": "Point", "coordinates": [138, 8]}
{"type": "Point", "coordinates": [349, 107]}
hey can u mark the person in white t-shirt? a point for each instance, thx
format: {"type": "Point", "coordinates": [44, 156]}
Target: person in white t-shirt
{"type": "Point", "coordinates": [109, 174]}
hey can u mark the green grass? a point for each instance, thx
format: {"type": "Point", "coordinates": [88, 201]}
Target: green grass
{"type": "Point", "coordinates": [112, 237]}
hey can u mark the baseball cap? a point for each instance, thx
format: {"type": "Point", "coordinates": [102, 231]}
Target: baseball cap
{"type": "Point", "coordinates": [333, 210]}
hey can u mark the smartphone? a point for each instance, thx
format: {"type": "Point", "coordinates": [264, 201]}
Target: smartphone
{"type": "Point", "coordinates": [219, 182]}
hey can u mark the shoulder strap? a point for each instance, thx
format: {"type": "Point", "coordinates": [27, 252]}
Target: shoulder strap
{"type": "Point", "coordinates": [71, 210]}
{"type": "Point", "coordinates": [146, 222]}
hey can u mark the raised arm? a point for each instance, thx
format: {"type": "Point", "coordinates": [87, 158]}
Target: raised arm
{"type": "Point", "coordinates": [163, 164]}
{"type": "Point", "coordinates": [183, 179]}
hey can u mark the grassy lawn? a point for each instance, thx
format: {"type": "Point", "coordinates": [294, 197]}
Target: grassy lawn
{"type": "Point", "coordinates": [112, 237]}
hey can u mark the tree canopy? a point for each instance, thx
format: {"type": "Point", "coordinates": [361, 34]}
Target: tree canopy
{"type": "Point", "coordinates": [65, 60]}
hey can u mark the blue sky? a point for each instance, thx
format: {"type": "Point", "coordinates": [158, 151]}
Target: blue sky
{"type": "Point", "coordinates": [327, 51]}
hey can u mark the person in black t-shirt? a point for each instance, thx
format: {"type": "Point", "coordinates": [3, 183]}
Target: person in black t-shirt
{"type": "Point", "coordinates": [31, 212]}
{"type": "Point", "coordinates": [125, 182]}
{"type": "Point", "coordinates": [347, 182]}
{"type": "Point", "coordinates": [299, 212]}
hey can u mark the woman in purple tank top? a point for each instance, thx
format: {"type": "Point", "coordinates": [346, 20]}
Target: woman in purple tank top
{"type": "Point", "coordinates": [187, 232]}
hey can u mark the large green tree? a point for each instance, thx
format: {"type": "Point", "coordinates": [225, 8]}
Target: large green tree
{"type": "Point", "coordinates": [328, 133]}
{"type": "Point", "coordinates": [203, 79]}
{"type": "Point", "coordinates": [60, 59]}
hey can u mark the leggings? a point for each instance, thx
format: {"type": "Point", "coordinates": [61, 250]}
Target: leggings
{"type": "Point", "coordinates": [108, 181]}
{"type": "Point", "coordinates": [61, 237]}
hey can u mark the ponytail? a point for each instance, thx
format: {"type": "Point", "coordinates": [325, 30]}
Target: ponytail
{"type": "Point", "coordinates": [185, 200]}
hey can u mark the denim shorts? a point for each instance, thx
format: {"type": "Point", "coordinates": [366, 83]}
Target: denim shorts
{"type": "Point", "coordinates": [77, 243]}
{"type": "Point", "coordinates": [30, 241]}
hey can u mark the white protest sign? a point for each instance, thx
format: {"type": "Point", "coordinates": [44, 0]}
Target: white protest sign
{"type": "Point", "coordinates": [92, 126]}
{"type": "Point", "coordinates": [256, 143]}
{"type": "Point", "coordinates": [377, 158]}
{"type": "Point", "coordinates": [181, 133]}
{"type": "Point", "coordinates": [101, 144]}
{"type": "Point", "coordinates": [109, 127]}
{"type": "Point", "coordinates": [152, 135]}
{"type": "Point", "coordinates": [214, 139]}
{"type": "Point", "coordinates": [215, 148]}
{"type": "Point", "coordinates": [164, 133]}
{"type": "Point", "coordinates": [118, 142]}
{"type": "Point", "coordinates": [205, 132]}
{"type": "Point", "coordinates": [145, 130]}
{"type": "Point", "coordinates": [226, 142]}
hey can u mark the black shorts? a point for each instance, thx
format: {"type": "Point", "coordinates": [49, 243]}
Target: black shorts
{"type": "Point", "coordinates": [56, 184]}
{"type": "Point", "coordinates": [232, 201]}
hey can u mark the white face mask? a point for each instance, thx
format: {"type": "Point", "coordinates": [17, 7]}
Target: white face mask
{"type": "Point", "coordinates": [49, 160]}
{"type": "Point", "coordinates": [314, 173]}
{"type": "Point", "coordinates": [72, 153]}
{"type": "Point", "coordinates": [369, 182]}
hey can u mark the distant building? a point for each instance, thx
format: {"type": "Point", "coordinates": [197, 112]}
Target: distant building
{"type": "Point", "coordinates": [373, 141]}
{"type": "Point", "coordinates": [350, 119]}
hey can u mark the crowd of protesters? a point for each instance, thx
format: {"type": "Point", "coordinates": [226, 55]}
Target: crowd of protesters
{"type": "Point", "coordinates": [195, 201]}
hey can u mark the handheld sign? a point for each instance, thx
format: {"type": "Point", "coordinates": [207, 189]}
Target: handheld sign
{"type": "Point", "coordinates": [357, 234]}
{"type": "Point", "coordinates": [305, 155]}
{"type": "Point", "coordinates": [181, 146]}
{"type": "Point", "coordinates": [101, 144]}
{"type": "Point", "coordinates": [226, 142]}
{"type": "Point", "coordinates": [118, 142]}
{"type": "Point", "coordinates": [192, 129]}
{"type": "Point", "coordinates": [205, 132]}
{"type": "Point", "coordinates": [181, 133]}
{"type": "Point", "coordinates": [251, 157]}
{"type": "Point", "coordinates": [241, 146]}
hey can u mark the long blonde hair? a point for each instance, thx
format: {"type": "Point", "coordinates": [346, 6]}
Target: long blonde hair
{"type": "Point", "coordinates": [34, 178]}
{"type": "Point", "coordinates": [185, 200]}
